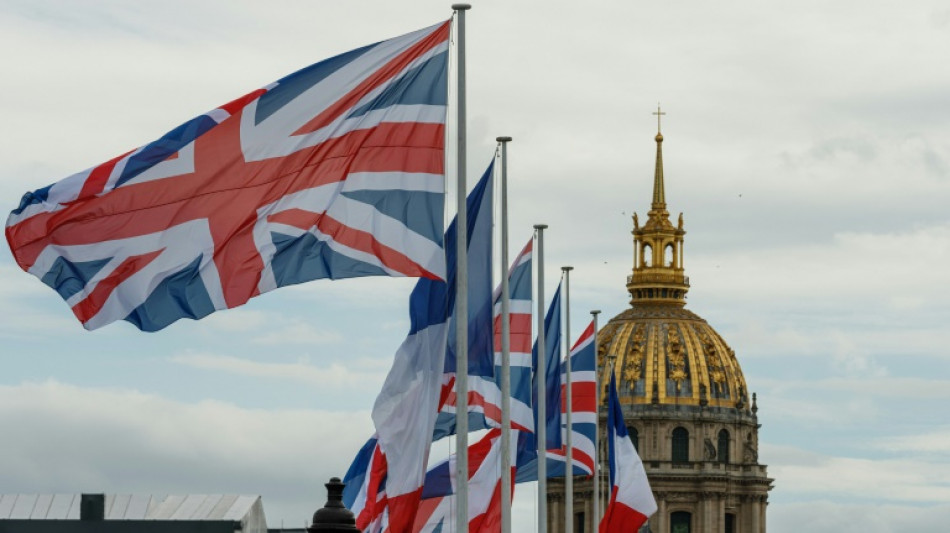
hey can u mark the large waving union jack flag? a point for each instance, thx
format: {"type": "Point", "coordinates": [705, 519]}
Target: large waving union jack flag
{"type": "Point", "coordinates": [335, 171]}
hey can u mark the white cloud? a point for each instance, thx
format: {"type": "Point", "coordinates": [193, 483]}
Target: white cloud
{"type": "Point", "coordinates": [299, 333]}
{"type": "Point", "coordinates": [828, 516]}
{"type": "Point", "coordinates": [936, 442]}
{"type": "Point", "coordinates": [72, 439]}
{"type": "Point", "coordinates": [360, 374]}
{"type": "Point", "coordinates": [910, 480]}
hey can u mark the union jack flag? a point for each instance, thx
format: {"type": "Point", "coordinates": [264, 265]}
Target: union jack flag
{"type": "Point", "coordinates": [335, 171]}
{"type": "Point", "coordinates": [484, 397]}
{"type": "Point", "coordinates": [583, 409]}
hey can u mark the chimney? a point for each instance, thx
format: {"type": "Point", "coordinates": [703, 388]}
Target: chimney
{"type": "Point", "coordinates": [92, 507]}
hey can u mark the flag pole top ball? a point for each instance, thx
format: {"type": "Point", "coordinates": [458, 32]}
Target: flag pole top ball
{"type": "Point", "coordinates": [461, 7]}
{"type": "Point", "coordinates": [503, 139]}
{"type": "Point", "coordinates": [540, 226]}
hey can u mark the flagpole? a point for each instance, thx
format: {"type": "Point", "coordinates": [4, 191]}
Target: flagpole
{"type": "Point", "coordinates": [461, 288]}
{"type": "Point", "coordinates": [505, 348]}
{"type": "Point", "coordinates": [541, 379]}
{"type": "Point", "coordinates": [569, 406]}
{"type": "Point", "coordinates": [596, 521]}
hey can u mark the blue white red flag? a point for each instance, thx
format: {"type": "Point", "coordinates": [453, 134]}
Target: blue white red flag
{"type": "Point", "coordinates": [335, 171]}
{"type": "Point", "coordinates": [631, 500]}
{"type": "Point", "coordinates": [480, 353]}
{"type": "Point", "coordinates": [583, 409]}
{"type": "Point", "coordinates": [408, 404]}
{"type": "Point", "coordinates": [484, 399]}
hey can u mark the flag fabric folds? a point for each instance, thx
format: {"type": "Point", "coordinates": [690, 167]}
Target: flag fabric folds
{"type": "Point", "coordinates": [406, 408]}
{"type": "Point", "coordinates": [482, 399]}
{"type": "Point", "coordinates": [631, 500]}
{"type": "Point", "coordinates": [335, 171]}
{"type": "Point", "coordinates": [485, 390]}
{"type": "Point", "coordinates": [583, 409]}
{"type": "Point", "coordinates": [364, 492]}
{"type": "Point", "coordinates": [519, 333]}
{"type": "Point", "coordinates": [552, 379]}
{"type": "Point", "coordinates": [437, 509]}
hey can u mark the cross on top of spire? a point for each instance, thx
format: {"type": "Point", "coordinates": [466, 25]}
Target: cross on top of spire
{"type": "Point", "coordinates": [658, 114]}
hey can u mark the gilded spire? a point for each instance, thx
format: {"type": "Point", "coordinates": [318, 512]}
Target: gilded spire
{"type": "Point", "coordinates": [659, 195]}
{"type": "Point", "coordinates": [658, 276]}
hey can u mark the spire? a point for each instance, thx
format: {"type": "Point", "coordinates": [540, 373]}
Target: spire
{"type": "Point", "coordinates": [658, 276]}
{"type": "Point", "coordinates": [659, 195]}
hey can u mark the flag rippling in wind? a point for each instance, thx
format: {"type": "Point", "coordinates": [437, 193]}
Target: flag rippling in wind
{"type": "Point", "coordinates": [485, 390]}
{"type": "Point", "coordinates": [438, 505]}
{"type": "Point", "coordinates": [583, 409]}
{"type": "Point", "coordinates": [552, 377]}
{"type": "Point", "coordinates": [482, 400]}
{"type": "Point", "coordinates": [631, 500]}
{"type": "Point", "coordinates": [406, 408]}
{"type": "Point", "coordinates": [335, 171]}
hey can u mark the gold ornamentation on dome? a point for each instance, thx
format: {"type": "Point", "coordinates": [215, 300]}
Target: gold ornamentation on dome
{"type": "Point", "coordinates": [677, 358]}
{"type": "Point", "coordinates": [717, 373]}
{"type": "Point", "coordinates": [634, 364]}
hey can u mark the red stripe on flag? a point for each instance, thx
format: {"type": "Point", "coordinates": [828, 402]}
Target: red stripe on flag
{"type": "Point", "coordinates": [378, 77]}
{"type": "Point", "coordinates": [238, 104]}
{"type": "Point", "coordinates": [402, 510]}
{"type": "Point", "coordinates": [366, 242]}
{"type": "Point", "coordinates": [98, 177]}
{"type": "Point", "coordinates": [589, 332]}
{"type": "Point", "coordinates": [153, 206]}
{"type": "Point", "coordinates": [583, 397]}
{"type": "Point", "coordinates": [519, 340]}
{"type": "Point", "coordinates": [92, 304]}
{"type": "Point", "coordinates": [619, 518]}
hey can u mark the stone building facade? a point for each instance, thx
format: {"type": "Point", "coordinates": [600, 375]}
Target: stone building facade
{"type": "Point", "coordinates": [683, 395]}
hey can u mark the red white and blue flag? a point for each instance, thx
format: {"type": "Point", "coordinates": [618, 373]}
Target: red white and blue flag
{"type": "Point", "coordinates": [365, 490]}
{"type": "Point", "coordinates": [583, 409]}
{"type": "Point", "coordinates": [406, 408]}
{"type": "Point", "coordinates": [631, 500]}
{"type": "Point", "coordinates": [439, 500]}
{"type": "Point", "coordinates": [484, 397]}
{"type": "Point", "coordinates": [335, 171]}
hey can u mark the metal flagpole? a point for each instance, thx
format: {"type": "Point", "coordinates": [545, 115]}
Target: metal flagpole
{"type": "Point", "coordinates": [597, 510]}
{"type": "Point", "coordinates": [569, 406]}
{"type": "Point", "coordinates": [541, 378]}
{"type": "Point", "coordinates": [461, 289]}
{"type": "Point", "coordinates": [505, 348]}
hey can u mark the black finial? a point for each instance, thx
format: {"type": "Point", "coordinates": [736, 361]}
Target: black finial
{"type": "Point", "coordinates": [755, 408]}
{"type": "Point", "coordinates": [334, 516]}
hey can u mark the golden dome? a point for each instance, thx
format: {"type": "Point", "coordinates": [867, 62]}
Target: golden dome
{"type": "Point", "coordinates": [662, 353]}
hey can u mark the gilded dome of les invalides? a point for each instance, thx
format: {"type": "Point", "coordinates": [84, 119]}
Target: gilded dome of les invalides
{"type": "Point", "coordinates": [663, 353]}
{"type": "Point", "coordinates": [684, 399]}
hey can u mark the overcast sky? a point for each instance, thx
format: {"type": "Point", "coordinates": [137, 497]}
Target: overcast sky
{"type": "Point", "coordinates": [807, 143]}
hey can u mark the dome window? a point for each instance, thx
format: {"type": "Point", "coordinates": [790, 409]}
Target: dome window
{"type": "Point", "coordinates": [680, 445]}
{"type": "Point", "coordinates": [680, 522]}
{"type": "Point", "coordinates": [634, 437]}
{"type": "Point", "coordinates": [723, 448]}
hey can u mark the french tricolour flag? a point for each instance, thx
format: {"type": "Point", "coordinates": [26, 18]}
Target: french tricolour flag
{"type": "Point", "coordinates": [407, 406]}
{"type": "Point", "coordinates": [631, 500]}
